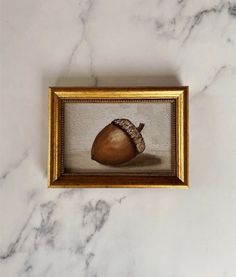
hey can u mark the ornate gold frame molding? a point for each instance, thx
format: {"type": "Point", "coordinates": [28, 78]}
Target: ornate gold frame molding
{"type": "Point", "coordinates": [57, 98]}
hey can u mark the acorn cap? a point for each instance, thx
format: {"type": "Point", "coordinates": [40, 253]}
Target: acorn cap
{"type": "Point", "coordinates": [133, 132]}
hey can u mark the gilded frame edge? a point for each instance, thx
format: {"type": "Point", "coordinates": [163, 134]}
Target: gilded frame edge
{"type": "Point", "coordinates": [57, 94]}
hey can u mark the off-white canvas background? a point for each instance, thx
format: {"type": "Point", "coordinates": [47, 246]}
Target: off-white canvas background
{"type": "Point", "coordinates": [84, 121]}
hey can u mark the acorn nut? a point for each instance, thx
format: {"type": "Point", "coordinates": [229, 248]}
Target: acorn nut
{"type": "Point", "coordinates": [118, 142]}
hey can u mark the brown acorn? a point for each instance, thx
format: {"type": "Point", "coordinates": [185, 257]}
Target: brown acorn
{"type": "Point", "coordinates": [118, 142]}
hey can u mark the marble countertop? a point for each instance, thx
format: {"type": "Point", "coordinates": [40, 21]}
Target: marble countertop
{"type": "Point", "coordinates": [117, 232]}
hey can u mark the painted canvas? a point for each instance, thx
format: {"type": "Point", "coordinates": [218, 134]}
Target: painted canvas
{"type": "Point", "coordinates": [120, 138]}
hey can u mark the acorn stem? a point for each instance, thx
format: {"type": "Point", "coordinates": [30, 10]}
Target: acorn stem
{"type": "Point", "coordinates": [140, 127]}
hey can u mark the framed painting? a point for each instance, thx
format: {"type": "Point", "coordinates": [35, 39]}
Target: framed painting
{"type": "Point", "coordinates": [118, 137]}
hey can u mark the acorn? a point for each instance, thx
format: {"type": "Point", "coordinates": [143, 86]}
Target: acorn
{"type": "Point", "coordinates": [118, 142]}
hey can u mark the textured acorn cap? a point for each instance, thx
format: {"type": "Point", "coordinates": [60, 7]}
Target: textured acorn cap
{"type": "Point", "coordinates": [132, 132]}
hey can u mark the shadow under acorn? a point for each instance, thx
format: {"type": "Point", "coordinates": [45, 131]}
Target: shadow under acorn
{"type": "Point", "coordinates": [142, 160]}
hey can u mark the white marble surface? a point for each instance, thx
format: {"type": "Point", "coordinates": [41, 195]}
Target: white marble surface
{"type": "Point", "coordinates": [119, 232]}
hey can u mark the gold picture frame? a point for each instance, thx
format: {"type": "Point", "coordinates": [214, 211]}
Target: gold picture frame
{"type": "Point", "coordinates": [58, 96]}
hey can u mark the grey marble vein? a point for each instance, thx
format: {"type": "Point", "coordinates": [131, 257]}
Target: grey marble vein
{"type": "Point", "coordinates": [121, 199]}
{"type": "Point", "coordinates": [84, 18]}
{"type": "Point", "coordinates": [68, 193]}
{"type": "Point", "coordinates": [85, 8]}
{"type": "Point", "coordinates": [96, 216]}
{"type": "Point", "coordinates": [47, 228]}
{"type": "Point", "coordinates": [27, 268]}
{"type": "Point", "coordinates": [12, 248]}
{"type": "Point", "coordinates": [14, 166]}
{"type": "Point", "coordinates": [88, 260]}
{"type": "Point", "coordinates": [232, 10]}
{"type": "Point", "coordinates": [215, 77]}
{"type": "Point", "coordinates": [198, 17]}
